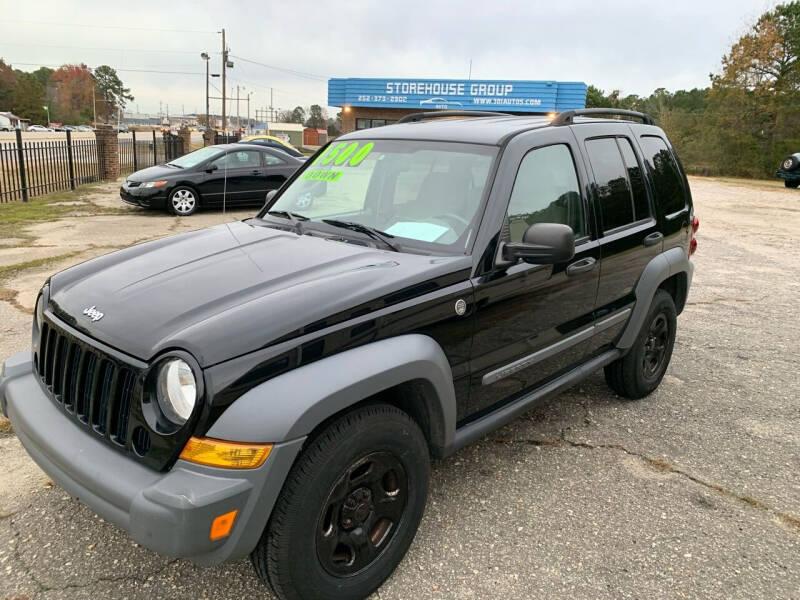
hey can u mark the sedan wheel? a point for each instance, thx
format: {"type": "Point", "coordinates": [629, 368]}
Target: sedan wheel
{"type": "Point", "coordinates": [183, 201]}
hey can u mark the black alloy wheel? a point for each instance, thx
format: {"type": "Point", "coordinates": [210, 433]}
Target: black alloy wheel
{"type": "Point", "coordinates": [655, 346]}
{"type": "Point", "coordinates": [362, 513]}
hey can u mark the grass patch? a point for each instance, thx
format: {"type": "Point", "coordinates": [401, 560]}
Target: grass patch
{"type": "Point", "coordinates": [11, 270]}
{"type": "Point", "coordinates": [15, 216]}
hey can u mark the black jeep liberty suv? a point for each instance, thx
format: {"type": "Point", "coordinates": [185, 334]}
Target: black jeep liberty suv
{"type": "Point", "coordinates": [277, 386]}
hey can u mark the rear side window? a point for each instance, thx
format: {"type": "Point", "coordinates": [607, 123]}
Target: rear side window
{"type": "Point", "coordinates": [546, 190]}
{"type": "Point", "coordinates": [641, 205]}
{"type": "Point", "coordinates": [664, 171]}
{"type": "Point", "coordinates": [612, 185]}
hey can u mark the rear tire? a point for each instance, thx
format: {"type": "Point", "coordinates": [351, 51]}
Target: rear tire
{"type": "Point", "coordinates": [640, 371]}
{"type": "Point", "coordinates": [183, 201]}
{"type": "Point", "coordinates": [791, 184]}
{"type": "Point", "coordinates": [790, 163]}
{"type": "Point", "coordinates": [349, 508]}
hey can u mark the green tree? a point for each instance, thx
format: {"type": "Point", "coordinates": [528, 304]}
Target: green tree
{"type": "Point", "coordinates": [28, 98]}
{"type": "Point", "coordinates": [8, 81]}
{"type": "Point", "coordinates": [43, 75]}
{"type": "Point", "coordinates": [109, 87]}
{"type": "Point", "coordinates": [298, 115]}
{"type": "Point", "coordinates": [316, 117]}
{"type": "Point", "coordinates": [754, 102]}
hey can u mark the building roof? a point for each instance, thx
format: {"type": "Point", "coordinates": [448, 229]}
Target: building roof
{"type": "Point", "coordinates": [285, 126]}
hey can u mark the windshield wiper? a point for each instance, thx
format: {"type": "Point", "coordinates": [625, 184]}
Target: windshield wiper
{"type": "Point", "coordinates": [375, 234]}
{"type": "Point", "coordinates": [174, 165]}
{"type": "Point", "coordinates": [295, 218]}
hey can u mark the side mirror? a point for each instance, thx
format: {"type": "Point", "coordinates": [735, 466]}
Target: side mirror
{"type": "Point", "coordinates": [270, 196]}
{"type": "Point", "coordinates": [211, 168]}
{"type": "Point", "coordinates": [543, 244]}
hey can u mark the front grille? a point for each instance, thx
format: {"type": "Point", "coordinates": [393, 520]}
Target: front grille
{"type": "Point", "coordinates": [133, 184]}
{"type": "Point", "coordinates": [94, 388]}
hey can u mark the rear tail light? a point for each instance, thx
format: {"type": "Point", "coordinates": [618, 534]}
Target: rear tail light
{"type": "Point", "coordinates": [693, 240]}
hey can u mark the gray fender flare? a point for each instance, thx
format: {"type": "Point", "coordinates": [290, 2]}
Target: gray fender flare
{"type": "Point", "coordinates": [293, 404]}
{"type": "Point", "coordinates": [658, 270]}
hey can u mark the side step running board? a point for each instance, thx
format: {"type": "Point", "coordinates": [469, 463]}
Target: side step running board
{"type": "Point", "coordinates": [505, 414]}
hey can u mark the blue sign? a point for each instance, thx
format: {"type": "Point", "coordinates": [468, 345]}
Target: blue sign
{"type": "Point", "coordinates": [458, 94]}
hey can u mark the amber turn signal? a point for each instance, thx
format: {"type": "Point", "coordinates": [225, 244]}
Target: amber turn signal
{"type": "Point", "coordinates": [228, 455]}
{"type": "Point", "coordinates": [222, 525]}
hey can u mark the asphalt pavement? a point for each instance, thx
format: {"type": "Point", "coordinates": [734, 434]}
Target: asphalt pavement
{"type": "Point", "coordinates": [693, 492]}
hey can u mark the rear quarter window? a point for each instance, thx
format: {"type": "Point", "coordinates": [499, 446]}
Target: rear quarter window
{"type": "Point", "coordinates": [667, 179]}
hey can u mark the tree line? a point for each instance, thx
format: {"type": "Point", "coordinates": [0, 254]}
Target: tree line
{"type": "Point", "coordinates": [748, 118]}
{"type": "Point", "coordinates": [742, 124]}
{"type": "Point", "coordinates": [314, 116]}
{"type": "Point", "coordinates": [73, 94]}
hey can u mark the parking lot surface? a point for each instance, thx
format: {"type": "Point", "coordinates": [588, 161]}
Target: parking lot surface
{"type": "Point", "coordinates": [693, 492]}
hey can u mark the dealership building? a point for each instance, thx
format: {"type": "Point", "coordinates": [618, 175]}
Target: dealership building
{"type": "Point", "coordinates": [374, 102]}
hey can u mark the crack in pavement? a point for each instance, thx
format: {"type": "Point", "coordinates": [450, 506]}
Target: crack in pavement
{"type": "Point", "coordinates": [44, 587]}
{"type": "Point", "coordinates": [664, 466]}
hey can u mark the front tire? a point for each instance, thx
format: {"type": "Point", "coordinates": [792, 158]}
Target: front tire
{"type": "Point", "coordinates": [640, 371]}
{"type": "Point", "coordinates": [791, 184]}
{"type": "Point", "coordinates": [183, 201]}
{"type": "Point", "coordinates": [349, 509]}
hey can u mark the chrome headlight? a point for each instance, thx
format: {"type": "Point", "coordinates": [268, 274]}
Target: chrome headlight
{"type": "Point", "coordinates": [176, 390]}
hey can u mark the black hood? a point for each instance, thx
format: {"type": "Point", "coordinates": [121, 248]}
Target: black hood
{"type": "Point", "coordinates": [156, 173]}
{"type": "Point", "coordinates": [231, 289]}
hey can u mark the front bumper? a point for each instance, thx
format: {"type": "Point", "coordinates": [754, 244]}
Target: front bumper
{"type": "Point", "coordinates": [144, 197]}
{"type": "Point", "coordinates": [790, 176]}
{"type": "Point", "coordinates": [170, 512]}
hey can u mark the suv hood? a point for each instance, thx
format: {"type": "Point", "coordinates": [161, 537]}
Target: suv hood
{"type": "Point", "coordinates": [231, 289]}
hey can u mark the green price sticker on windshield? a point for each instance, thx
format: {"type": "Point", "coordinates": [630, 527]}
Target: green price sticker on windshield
{"type": "Point", "coordinates": [340, 153]}
{"type": "Point", "coordinates": [321, 175]}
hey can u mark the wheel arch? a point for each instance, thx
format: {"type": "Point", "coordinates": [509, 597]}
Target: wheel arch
{"type": "Point", "coordinates": [672, 271]}
{"type": "Point", "coordinates": [410, 372]}
{"type": "Point", "coordinates": [187, 184]}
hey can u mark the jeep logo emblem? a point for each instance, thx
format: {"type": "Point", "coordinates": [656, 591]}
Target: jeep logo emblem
{"type": "Point", "coordinates": [93, 313]}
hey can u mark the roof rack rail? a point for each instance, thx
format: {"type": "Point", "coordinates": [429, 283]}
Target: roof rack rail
{"type": "Point", "coordinates": [566, 117]}
{"type": "Point", "coordinates": [440, 114]}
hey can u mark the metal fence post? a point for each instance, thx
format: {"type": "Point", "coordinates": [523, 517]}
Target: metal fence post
{"type": "Point", "coordinates": [70, 161]}
{"type": "Point", "coordinates": [23, 183]}
{"type": "Point", "coordinates": [155, 149]}
{"type": "Point", "coordinates": [135, 167]}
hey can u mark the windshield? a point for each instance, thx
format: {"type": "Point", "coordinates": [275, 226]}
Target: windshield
{"type": "Point", "coordinates": [423, 193]}
{"type": "Point", "coordinates": [192, 159]}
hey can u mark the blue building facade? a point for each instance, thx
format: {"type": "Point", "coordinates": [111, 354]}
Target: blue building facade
{"type": "Point", "coordinates": [386, 100]}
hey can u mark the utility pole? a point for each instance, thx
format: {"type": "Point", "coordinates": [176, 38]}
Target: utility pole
{"type": "Point", "coordinates": [238, 118]}
{"type": "Point", "coordinates": [271, 112]}
{"type": "Point", "coordinates": [224, 65]}
{"type": "Point", "coordinates": [248, 113]}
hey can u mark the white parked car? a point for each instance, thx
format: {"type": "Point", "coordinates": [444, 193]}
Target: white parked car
{"type": "Point", "coordinates": [39, 128]}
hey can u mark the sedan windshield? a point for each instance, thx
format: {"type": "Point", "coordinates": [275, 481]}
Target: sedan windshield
{"type": "Point", "coordinates": [425, 194]}
{"type": "Point", "coordinates": [187, 161]}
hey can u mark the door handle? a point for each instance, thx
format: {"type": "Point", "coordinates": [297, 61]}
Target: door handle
{"type": "Point", "coordinates": [581, 266]}
{"type": "Point", "coordinates": [653, 239]}
{"type": "Point", "coordinates": [256, 171]}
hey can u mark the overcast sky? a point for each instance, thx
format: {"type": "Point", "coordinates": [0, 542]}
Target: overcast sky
{"type": "Point", "coordinates": [634, 46]}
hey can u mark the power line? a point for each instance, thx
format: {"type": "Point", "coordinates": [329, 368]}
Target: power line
{"type": "Point", "coordinates": [27, 64]}
{"type": "Point", "coordinates": [290, 71]}
{"type": "Point", "coordinates": [103, 49]}
{"type": "Point", "coordinates": [105, 26]}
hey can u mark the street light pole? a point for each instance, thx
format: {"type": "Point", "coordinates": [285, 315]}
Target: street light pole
{"type": "Point", "coordinates": [224, 65]}
{"type": "Point", "coordinates": [47, 108]}
{"type": "Point", "coordinates": [206, 58]}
